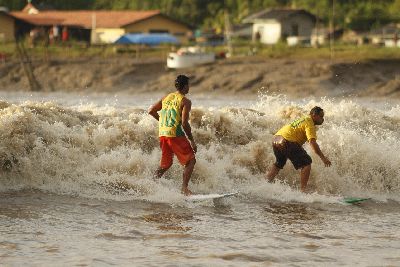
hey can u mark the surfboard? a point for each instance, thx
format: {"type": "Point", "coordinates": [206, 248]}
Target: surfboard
{"type": "Point", "coordinates": [201, 197]}
{"type": "Point", "coordinates": [353, 200]}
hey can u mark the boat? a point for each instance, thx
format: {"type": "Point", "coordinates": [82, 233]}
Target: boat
{"type": "Point", "coordinates": [187, 57]}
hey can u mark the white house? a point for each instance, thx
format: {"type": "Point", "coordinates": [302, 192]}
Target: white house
{"type": "Point", "coordinates": [98, 26]}
{"type": "Point", "coordinates": [388, 35]}
{"type": "Point", "coordinates": [272, 25]}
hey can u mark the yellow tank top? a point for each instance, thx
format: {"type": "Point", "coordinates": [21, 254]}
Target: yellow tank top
{"type": "Point", "coordinates": [299, 131]}
{"type": "Point", "coordinates": [170, 122]}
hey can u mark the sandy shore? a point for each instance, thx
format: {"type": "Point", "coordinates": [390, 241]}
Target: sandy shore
{"type": "Point", "coordinates": [237, 76]}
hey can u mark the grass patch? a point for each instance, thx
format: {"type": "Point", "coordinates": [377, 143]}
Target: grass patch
{"type": "Point", "coordinates": [80, 50]}
{"type": "Point", "coordinates": [74, 50]}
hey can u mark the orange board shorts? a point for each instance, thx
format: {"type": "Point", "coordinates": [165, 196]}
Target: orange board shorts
{"type": "Point", "coordinates": [179, 146]}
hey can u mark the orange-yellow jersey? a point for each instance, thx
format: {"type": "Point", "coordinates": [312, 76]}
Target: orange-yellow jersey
{"type": "Point", "coordinates": [299, 131]}
{"type": "Point", "coordinates": [170, 122]}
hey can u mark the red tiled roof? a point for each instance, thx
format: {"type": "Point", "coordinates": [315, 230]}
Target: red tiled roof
{"type": "Point", "coordinates": [84, 18]}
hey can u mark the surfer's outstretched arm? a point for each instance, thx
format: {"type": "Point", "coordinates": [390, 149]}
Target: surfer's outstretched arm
{"type": "Point", "coordinates": [314, 145]}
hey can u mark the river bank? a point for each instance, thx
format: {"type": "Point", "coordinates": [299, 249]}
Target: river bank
{"type": "Point", "coordinates": [246, 75]}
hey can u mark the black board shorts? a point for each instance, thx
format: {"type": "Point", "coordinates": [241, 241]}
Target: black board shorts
{"type": "Point", "coordinates": [284, 150]}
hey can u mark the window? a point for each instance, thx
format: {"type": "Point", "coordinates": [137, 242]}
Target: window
{"type": "Point", "coordinates": [295, 30]}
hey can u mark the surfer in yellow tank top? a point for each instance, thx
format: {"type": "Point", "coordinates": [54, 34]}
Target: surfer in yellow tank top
{"type": "Point", "coordinates": [170, 122]}
{"type": "Point", "coordinates": [287, 144]}
{"type": "Point", "coordinates": [175, 133]}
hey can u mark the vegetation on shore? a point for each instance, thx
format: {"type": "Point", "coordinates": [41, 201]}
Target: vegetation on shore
{"type": "Point", "coordinates": [209, 14]}
{"type": "Point", "coordinates": [281, 50]}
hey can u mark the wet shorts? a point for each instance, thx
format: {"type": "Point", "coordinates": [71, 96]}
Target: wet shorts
{"type": "Point", "coordinates": [284, 150]}
{"type": "Point", "coordinates": [179, 146]}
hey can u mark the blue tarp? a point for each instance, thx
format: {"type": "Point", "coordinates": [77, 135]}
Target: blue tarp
{"type": "Point", "coordinates": [147, 38]}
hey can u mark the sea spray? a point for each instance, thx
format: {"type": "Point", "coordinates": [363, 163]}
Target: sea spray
{"type": "Point", "coordinates": [112, 152]}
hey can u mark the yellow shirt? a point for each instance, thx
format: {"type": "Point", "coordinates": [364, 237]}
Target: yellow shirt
{"type": "Point", "coordinates": [170, 122]}
{"type": "Point", "coordinates": [299, 131]}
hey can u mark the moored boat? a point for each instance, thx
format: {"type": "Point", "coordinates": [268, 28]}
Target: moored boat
{"type": "Point", "coordinates": [189, 57]}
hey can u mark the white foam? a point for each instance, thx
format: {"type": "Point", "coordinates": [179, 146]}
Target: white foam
{"type": "Point", "coordinates": [87, 148]}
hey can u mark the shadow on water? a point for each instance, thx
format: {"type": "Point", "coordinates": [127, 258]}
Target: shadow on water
{"type": "Point", "coordinates": [170, 218]}
{"type": "Point", "coordinates": [292, 216]}
{"type": "Point", "coordinates": [167, 218]}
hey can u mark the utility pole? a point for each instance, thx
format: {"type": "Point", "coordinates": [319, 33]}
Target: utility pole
{"type": "Point", "coordinates": [332, 30]}
{"type": "Point", "coordinates": [317, 30]}
{"type": "Point", "coordinates": [93, 32]}
{"type": "Point", "coordinates": [228, 33]}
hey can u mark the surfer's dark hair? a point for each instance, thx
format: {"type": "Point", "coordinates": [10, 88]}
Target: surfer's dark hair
{"type": "Point", "coordinates": [316, 110]}
{"type": "Point", "coordinates": [181, 81]}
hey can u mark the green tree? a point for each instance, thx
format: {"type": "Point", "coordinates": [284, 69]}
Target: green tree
{"type": "Point", "coordinates": [13, 4]}
{"type": "Point", "coordinates": [395, 10]}
{"type": "Point", "coordinates": [351, 14]}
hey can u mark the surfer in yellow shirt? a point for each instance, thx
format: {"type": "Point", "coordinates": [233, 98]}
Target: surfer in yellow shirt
{"type": "Point", "coordinates": [175, 133]}
{"type": "Point", "coordinates": [288, 141]}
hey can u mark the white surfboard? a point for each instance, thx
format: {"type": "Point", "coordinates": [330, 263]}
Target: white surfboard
{"type": "Point", "coordinates": [201, 197]}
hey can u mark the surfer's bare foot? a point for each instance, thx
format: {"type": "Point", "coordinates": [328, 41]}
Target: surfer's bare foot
{"type": "Point", "coordinates": [307, 190]}
{"type": "Point", "coordinates": [269, 180]}
{"type": "Point", "coordinates": [186, 191]}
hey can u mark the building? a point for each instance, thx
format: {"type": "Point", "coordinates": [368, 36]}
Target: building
{"type": "Point", "coordinates": [102, 26]}
{"type": "Point", "coordinates": [242, 31]}
{"type": "Point", "coordinates": [387, 35]}
{"type": "Point", "coordinates": [272, 25]}
{"type": "Point", "coordinates": [7, 27]}
{"type": "Point", "coordinates": [322, 36]}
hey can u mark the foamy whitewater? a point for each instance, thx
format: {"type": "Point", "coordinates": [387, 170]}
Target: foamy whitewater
{"type": "Point", "coordinates": [76, 184]}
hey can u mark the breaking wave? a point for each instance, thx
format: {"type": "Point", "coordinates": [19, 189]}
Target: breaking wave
{"type": "Point", "coordinates": [112, 152]}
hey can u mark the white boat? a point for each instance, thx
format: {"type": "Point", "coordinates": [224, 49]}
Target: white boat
{"type": "Point", "coordinates": [188, 57]}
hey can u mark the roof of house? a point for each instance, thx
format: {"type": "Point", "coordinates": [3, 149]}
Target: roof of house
{"type": "Point", "coordinates": [5, 13]}
{"type": "Point", "coordinates": [85, 18]}
{"type": "Point", "coordinates": [277, 14]}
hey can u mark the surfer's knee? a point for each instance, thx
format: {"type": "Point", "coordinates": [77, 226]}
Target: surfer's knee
{"type": "Point", "coordinates": [305, 170]}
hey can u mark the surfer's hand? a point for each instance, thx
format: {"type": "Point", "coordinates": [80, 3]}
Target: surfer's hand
{"type": "Point", "coordinates": [326, 161]}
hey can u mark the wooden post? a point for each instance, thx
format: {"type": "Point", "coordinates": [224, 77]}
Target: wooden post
{"type": "Point", "coordinates": [332, 31]}
{"type": "Point", "coordinates": [228, 33]}
{"type": "Point", "coordinates": [27, 66]}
